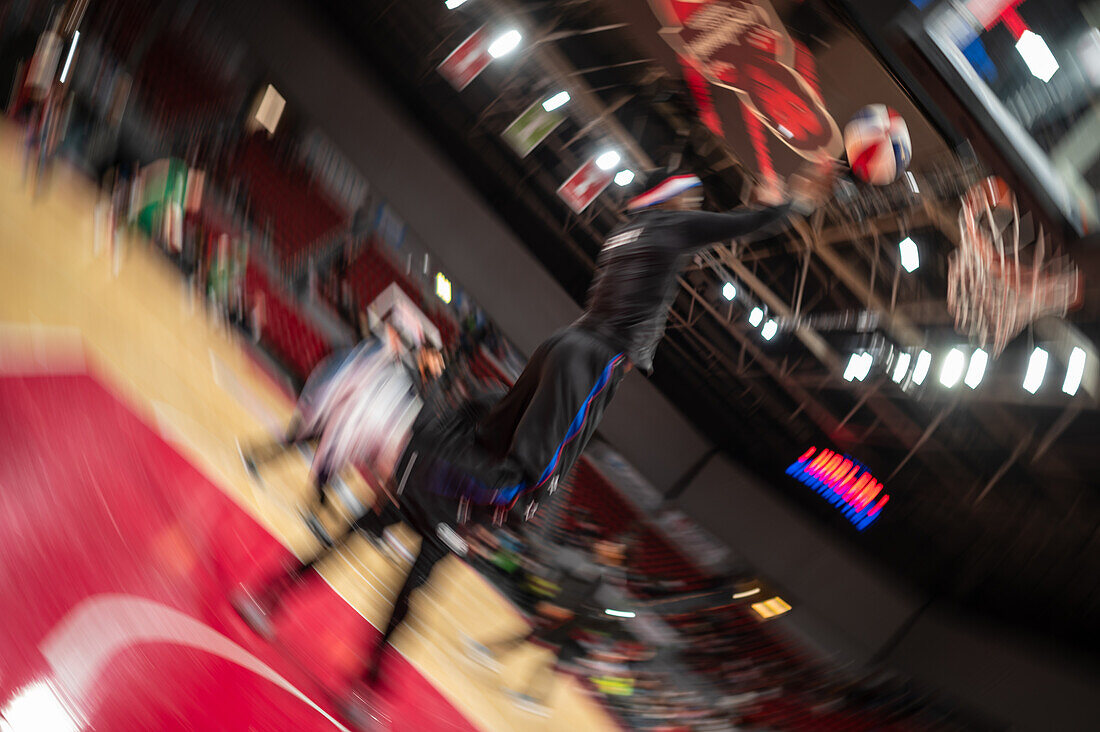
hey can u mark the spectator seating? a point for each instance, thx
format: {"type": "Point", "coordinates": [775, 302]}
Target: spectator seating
{"type": "Point", "coordinates": [291, 338]}
{"type": "Point", "coordinates": [281, 194]}
{"type": "Point", "coordinates": [372, 271]}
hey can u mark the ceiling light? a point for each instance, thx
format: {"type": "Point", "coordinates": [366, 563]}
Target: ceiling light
{"type": "Point", "coordinates": [952, 369]}
{"type": "Point", "coordinates": [859, 365]}
{"type": "Point", "coordinates": [555, 101]}
{"type": "Point", "coordinates": [912, 182]}
{"type": "Point", "coordinates": [910, 257]}
{"type": "Point", "coordinates": [624, 177]}
{"type": "Point", "coordinates": [729, 291]}
{"type": "Point", "coordinates": [853, 367]}
{"type": "Point", "coordinates": [866, 360]}
{"type": "Point", "coordinates": [442, 287]}
{"type": "Point", "coordinates": [1036, 370]}
{"type": "Point", "coordinates": [976, 371]}
{"type": "Point", "coordinates": [505, 43]}
{"type": "Point", "coordinates": [901, 367]}
{"type": "Point", "coordinates": [1074, 371]}
{"type": "Point", "coordinates": [771, 608]}
{"type": "Point", "coordinates": [452, 4]}
{"type": "Point", "coordinates": [924, 360]}
{"type": "Point", "coordinates": [769, 330]}
{"type": "Point", "coordinates": [1040, 61]}
{"type": "Point", "coordinates": [755, 317]}
{"type": "Point", "coordinates": [746, 593]}
{"type": "Point", "coordinates": [69, 58]}
{"type": "Point", "coordinates": [619, 613]}
{"type": "Point", "coordinates": [607, 160]}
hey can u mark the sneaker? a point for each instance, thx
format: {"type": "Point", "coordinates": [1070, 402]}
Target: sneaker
{"type": "Point", "coordinates": [395, 546]}
{"type": "Point", "coordinates": [254, 615]}
{"type": "Point", "coordinates": [480, 654]}
{"type": "Point", "coordinates": [528, 703]}
{"type": "Point", "coordinates": [450, 537]}
{"type": "Point", "coordinates": [318, 529]}
{"type": "Point", "coordinates": [362, 707]}
{"type": "Point", "coordinates": [350, 502]}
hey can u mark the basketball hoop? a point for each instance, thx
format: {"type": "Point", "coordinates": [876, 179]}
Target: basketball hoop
{"type": "Point", "coordinates": [991, 292]}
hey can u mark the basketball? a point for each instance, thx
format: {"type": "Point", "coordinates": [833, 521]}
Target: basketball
{"type": "Point", "coordinates": [877, 142]}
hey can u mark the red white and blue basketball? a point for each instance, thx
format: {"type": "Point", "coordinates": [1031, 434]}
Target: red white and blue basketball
{"type": "Point", "coordinates": [877, 142]}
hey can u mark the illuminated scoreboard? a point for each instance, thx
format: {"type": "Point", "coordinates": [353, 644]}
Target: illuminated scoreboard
{"type": "Point", "coordinates": [844, 482]}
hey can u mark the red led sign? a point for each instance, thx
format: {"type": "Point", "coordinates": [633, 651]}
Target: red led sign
{"type": "Point", "coordinates": [844, 482]}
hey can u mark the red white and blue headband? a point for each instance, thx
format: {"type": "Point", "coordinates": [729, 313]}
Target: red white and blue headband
{"type": "Point", "coordinates": [667, 189]}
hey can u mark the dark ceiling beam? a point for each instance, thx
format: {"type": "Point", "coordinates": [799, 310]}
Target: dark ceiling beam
{"type": "Point", "coordinates": [891, 417]}
{"type": "Point", "coordinates": [585, 103]}
{"type": "Point", "coordinates": [776, 411]}
{"type": "Point", "coordinates": [821, 416]}
{"type": "Point", "coordinates": [897, 324]}
{"type": "Point", "coordinates": [991, 392]}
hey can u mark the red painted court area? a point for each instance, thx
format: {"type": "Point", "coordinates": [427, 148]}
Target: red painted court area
{"type": "Point", "coordinates": [116, 559]}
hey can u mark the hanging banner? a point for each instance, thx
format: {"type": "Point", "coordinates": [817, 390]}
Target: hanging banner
{"type": "Point", "coordinates": [741, 46]}
{"type": "Point", "coordinates": [584, 185]}
{"type": "Point", "coordinates": [531, 128]}
{"type": "Point", "coordinates": [467, 61]}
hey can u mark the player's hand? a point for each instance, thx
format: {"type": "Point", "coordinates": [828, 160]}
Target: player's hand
{"type": "Point", "coordinates": [812, 185]}
{"type": "Point", "coordinates": [770, 193]}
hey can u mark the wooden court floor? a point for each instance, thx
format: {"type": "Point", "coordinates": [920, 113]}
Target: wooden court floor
{"type": "Point", "coordinates": [190, 379]}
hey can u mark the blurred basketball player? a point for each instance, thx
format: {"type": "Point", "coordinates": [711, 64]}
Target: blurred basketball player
{"type": "Point", "coordinates": [479, 463]}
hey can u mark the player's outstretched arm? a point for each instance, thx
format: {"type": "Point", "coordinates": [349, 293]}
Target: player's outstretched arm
{"type": "Point", "coordinates": [699, 229]}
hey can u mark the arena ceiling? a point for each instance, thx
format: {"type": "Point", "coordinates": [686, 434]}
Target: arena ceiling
{"type": "Point", "coordinates": [995, 505]}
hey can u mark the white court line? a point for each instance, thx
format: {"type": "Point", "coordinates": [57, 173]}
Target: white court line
{"type": "Point", "coordinates": [31, 349]}
{"type": "Point", "coordinates": [227, 379]}
{"type": "Point", "coordinates": [81, 645]}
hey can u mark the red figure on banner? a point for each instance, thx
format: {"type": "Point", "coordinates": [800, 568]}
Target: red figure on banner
{"type": "Point", "coordinates": [742, 46]}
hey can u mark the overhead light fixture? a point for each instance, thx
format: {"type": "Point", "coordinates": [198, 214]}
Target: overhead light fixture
{"type": "Point", "coordinates": [910, 257]}
{"type": "Point", "coordinates": [624, 177]}
{"type": "Point", "coordinates": [952, 369]}
{"type": "Point", "coordinates": [1074, 371]}
{"type": "Point", "coordinates": [442, 287]}
{"type": "Point", "coordinates": [746, 593]}
{"type": "Point", "coordinates": [505, 43]}
{"type": "Point", "coordinates": [920, 370]}
{"type": "Point", "coordinates": [976, 370]}
{"type": "Point", "coordinates": [729, 291]}
{"type": "Point", "coordinates": [69, 58]}
{"type": "Point", "coordinates": [859, 365]}
{"type": "Point", "coordinates": [452, 4]}
{"type": "Point", "coordinates": [558, 100]}
{"type": "Point", "coordinates": [620, 613]}
{"type": "Point", "coordinates": [771, 608]}
{"type": "Point", "coordinates": [853, 367]}
{"type": "Point", "coordinates": [755, 317]}
{"type": "Point", "coordinates": [769, 330]}
{"type": "Point", "coordinates": [1036, 370]}
{"type": "Point", "coordinates": [912, 181]}
{"type": "Point", "coordinates": [607, 160]}
{"type": "Point", "coordinates": [901, 367]}
{"type": "Point", "coordinates": [1040, 61]}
